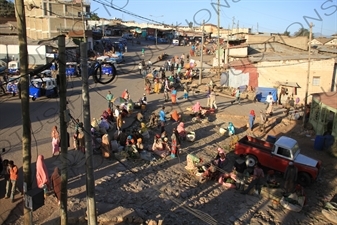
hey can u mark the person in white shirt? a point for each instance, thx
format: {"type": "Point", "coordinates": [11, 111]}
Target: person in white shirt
{"type": "Point", "coordinates": [116, 112]}
{"type": "Point", "coordinates": [270, 101]}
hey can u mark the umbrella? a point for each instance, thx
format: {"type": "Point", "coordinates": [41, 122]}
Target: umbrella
{"type": "Point", "coordinates": [118, 100]}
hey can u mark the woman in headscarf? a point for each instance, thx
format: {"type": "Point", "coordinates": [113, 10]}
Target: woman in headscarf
{"type": "Point", "coordinates": [156, 86]}
{"type": "Point", "coordinates": [174, 96]}
{"type": "Point", "coordinates": [55, 140]}
{"type": "Point", "coordinates": [119, 122]}
{"type": "Point", "coordinates": [231, 129]}
{"type": "Point", "coordinates": [251, 119]}
{"type": "Point", "coordinates": [181, 130]}
{"type": "Point", "coordinates": [175, 143]}
{"type": "Point", "coordinates": [139, 145]}
{"type": "Point", "coordinates": [56, 183]}
{"type": "Point", "coordinates": [144, 131]}
{"type": "Point", "coordinates": [158, 148]}
{"type": "Point", "coordinates": [42, 177]}
{"type": "Point", "coordinates": [197, 109]}
{"type": "Point", "coordinates": [148, 86]}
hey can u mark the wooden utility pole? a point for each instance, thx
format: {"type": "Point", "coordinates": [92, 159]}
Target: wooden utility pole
{"type": "Point", "coordinates": [227, 51]}
{"type": "Point", "coordinates": [84, 22]}
{"type": "Point", "coordinates": [25, 112]}
{"type": "Point", "coordinates": [63, 129]}
{"type": "Point", "coordinates": [308, 75]}
{"type": "Point", "coordinates": [219, 67]}
{"type": "Point", "coordinates": [202, 52]}
{"type": "Point", "coordinates": [90, 182]}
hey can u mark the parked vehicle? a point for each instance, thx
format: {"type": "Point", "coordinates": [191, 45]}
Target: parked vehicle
{"type": "Point", "coordinates": [12, 85]}
{"type": "Point", "coordinates": [175, 42]}
{"type": "Point", "coordinates": [71, 69]}
{"type": "Point", "coordinates": [13, 67]}
{"type": "Point", "coordinates": [127, 36]}
{"type": "Point", "coordinates": [3, 66]}
{"type": "Point", "coordinates": [162, 41]}
{"type": "Point", "coordinates": [45, 86]}
{"type": "Point", "coordinates": [103, 58]}
{"type": "Point", "coordinates": [277, 156]}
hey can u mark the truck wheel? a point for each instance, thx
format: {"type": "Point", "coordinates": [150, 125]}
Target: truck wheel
{"type": "Point", "coordinates": [251, 161]}
{"type": "Point", "coordinates": [304, 179]}
{"type": "Point", "coordinates": [33, 98]}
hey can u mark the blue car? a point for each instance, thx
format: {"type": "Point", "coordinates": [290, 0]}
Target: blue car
{"type": "Point", "coordinates": [39, 87]}
{"type": "Point", "coordinates": [71, 69]}
{"type": "Point", "coordinates": [13, 67]}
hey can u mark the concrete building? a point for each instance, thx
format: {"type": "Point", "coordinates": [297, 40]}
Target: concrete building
{"type": "Point", "coordinates": [277, 65]}
{"type": "Point", "coordinates": [291, 71]}
{"type": "Point", "coordinates": [48, 18]}
{"type": "Point", "coordinates": [297, 42]}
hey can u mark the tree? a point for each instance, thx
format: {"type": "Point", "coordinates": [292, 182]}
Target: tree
{"type": "Point", "coordinates": [7, 9]}
{"type": "Point", "coordinates": [302, 32]}
{"type": "Point", "coordinates": [286, 33]}
{"type": "Point", "coordinates": [94, 16]}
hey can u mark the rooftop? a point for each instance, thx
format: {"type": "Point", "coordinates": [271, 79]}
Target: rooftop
{"type": "Point", "coordinates": [14, 40]}
{"type": "Point", "coordinates": [269, 56]}
{"type": "Point", "coordinates": [327, 98]}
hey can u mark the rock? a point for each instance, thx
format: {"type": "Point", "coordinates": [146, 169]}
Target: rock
{"type": "Point", "coordinates": [99, 188]}
{"type": "Point", "coordinates": [152, 222]}
{"type": "Point", "coordinates": [183, 195]}
{"type": "Point", "coordinates": [232, 219]}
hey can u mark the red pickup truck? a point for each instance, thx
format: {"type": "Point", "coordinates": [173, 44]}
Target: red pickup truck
{"type": "Point", "coordinates": [278, 155]}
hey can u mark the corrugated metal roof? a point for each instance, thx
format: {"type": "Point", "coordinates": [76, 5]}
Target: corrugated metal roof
{"type": "Point", "coordinates": [14, 40]}
{"type": "Point", "coordinates": [260, 57]}
{"type": "Point", "coordinates": [327, 98]}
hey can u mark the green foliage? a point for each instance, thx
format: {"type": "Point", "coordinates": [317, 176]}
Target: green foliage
{"type": "Point", "coordinates": [286, 33]}
{"type": "Point", "coordinates": [302, 32]}
{"type": "Point", "coordinates": [7, 9]}
{"type": "Point", "coordinates": [94, 16]}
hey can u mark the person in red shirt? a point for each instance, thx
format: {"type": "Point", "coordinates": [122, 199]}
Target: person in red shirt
{"type": "Point", "coordinates": [13, 177]}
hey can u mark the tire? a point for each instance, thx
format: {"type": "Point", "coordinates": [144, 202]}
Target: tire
{"type": "Point", "coordinates": [33, 98]}
{"type": "Point", "coordinates": [304, 179]}
{"type": "Point", "coordinates": [251, 161]}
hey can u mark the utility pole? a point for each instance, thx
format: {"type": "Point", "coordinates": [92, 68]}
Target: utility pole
{"type": "Point", "coordinates": [103, 28]}
{"type": "Point", "coordinates": [308, 75]}
{"type": "Point", "coordinates": [202, 52]}
{"type": "Point", "coordinates": [63, 128]}
{"type": "Point", "coordinates": [83, 21]}
{"type": "Point", "coordinates": [227, 50]}
{"type": "Point", "coordinates": [219, 71]}
{"type": "Point", "coordinates": [25, 112]}
{"type": "Point", "coordinates": [90, 181]}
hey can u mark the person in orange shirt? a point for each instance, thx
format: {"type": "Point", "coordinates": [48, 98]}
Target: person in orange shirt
{"type": "Point", "coordinates": [13, 177]}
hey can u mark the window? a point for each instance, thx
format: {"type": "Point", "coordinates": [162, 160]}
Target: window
{"type": "Point", "coordinates": [45, 10]}
{"type": "Point", "coordinates": [283, 152]}
{"type": "Point", "coordinates": [316, 81]}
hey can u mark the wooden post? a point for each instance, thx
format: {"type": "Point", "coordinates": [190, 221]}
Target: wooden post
{"type": "Point", "coordinates": [63, 129]}
{"type": "Point", "coordinates": [25, 112]}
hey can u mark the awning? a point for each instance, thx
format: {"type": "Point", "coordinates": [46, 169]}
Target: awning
{"type": "Point", "coordinates": [288, 84]}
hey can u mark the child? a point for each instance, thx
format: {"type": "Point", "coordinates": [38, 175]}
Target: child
{"type": "Point", "coordinates": [185, 93]}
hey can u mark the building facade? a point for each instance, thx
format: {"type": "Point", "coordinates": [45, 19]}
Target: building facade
{"type": "Point", "coordinates": [49, 18]}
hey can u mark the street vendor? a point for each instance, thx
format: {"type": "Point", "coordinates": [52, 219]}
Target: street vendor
{"type": "Point", "coordinates": [159, 148]}
{"type": "Point", "coordinates": [213, 172]}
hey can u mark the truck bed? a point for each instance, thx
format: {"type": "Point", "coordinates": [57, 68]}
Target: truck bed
{"type": "Point", "coordinates": [256, 143]}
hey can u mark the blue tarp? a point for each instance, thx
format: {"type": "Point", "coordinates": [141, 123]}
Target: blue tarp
{"type": "Point", "coordinates": [262, 92]}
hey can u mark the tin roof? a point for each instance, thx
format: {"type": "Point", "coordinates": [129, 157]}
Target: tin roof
{"type": "Point", "coordinates": [327, 98]}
